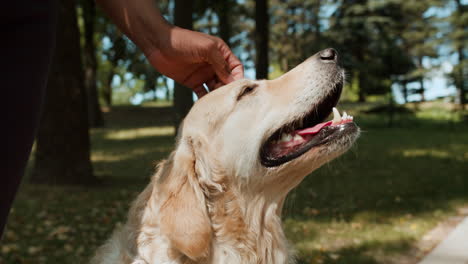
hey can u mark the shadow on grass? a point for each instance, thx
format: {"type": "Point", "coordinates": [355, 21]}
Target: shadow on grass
{"type": "Point", "coordinates": [135, 116]}
{"type": "Point", "coordinates": [131, 144]}
{"type": "Point", "coordinates": [131, 159]}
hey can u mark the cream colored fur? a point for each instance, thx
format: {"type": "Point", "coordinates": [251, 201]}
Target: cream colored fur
{"type": "Point", "coordinates": [212, 201]}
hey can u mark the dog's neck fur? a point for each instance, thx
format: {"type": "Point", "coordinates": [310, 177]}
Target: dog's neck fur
{"type": "Point", "coordinates": [246, 231]}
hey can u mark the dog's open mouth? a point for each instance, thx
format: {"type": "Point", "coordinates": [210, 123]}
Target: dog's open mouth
{"type": "Point", "coordinates": [299, 136]}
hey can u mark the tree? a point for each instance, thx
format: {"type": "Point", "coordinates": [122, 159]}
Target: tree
{"type": "Point", "coordinates": [90, 63]}
{"type": "Point", "coordinates": [296, 31]}
{"type": "Point", "coordinates": [262, 25]}
{"type": "Point", "coordinates": [111, 56]}
{"type": "Point", "coordinates": [417, 33]}
{"type": "Point", "coordinates": [63, 146]}
{"type": "Point", "coordinates": [183, 99]}
{"type": "Point", "coordinates": [113, 49]}
{"type": "Point", "coordinates": [366, 33]}
{"type": "Point", "coordinates": [350, 29]}
{"type": "Point", "coordinates": [144, 71]}
{"type": "Point", "coordinates": [224, 9]}
{"type": "Point", "coordinates": [458, 37]}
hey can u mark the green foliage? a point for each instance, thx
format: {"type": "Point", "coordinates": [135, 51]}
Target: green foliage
{"type": "Point", "coordinates": [384, 41]}
{"type": "Point", "coordinates": [370, 36]}
{"type": "Point", "coordinates": [296, 31]}
{"type": "Point", "coordinates": [456, 35]}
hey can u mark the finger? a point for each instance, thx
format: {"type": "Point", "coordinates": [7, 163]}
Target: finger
{"type": "Point", "coordinates": [199, 76]}
{"type": "Point", "coordinates": [214, 84]}
{"type": "Point", "coordinates": [236, 69]}
{"type": "Point", "coordinates": [234, 64]}
{"type": "Point", "coordinates": [218, 60]}
{"type": "Point", "coordinates": [200, 91]}
{"type": "Point", "coordinates": [238, 72]}
{"type": "Point", "coordinates": [217, 85]}
{"type": "Point", "coordinates": [211, 84]}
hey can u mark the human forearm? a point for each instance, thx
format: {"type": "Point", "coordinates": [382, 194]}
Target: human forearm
{"type": "Point", "coordinates": [190, 58]}
{"type": "Point", "coordinates": [140, 20]}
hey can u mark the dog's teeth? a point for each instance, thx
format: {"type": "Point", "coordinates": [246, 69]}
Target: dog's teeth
{"type": "Point", "coordinates": [345, 116]}
{"type": "Point", "coordinates": [336, 116]}
{"type": "Point", "coordinates": [285, 137]}
{"type": "Point", "coordinates": [297, 137]}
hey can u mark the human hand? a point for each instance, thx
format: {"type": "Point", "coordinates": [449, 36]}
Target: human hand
{"type": "Point", "coordinates": [193, 58]}
{"type": "Point", "coordinates": [190, 58]}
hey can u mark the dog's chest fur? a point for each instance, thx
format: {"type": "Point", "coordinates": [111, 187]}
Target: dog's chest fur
{"type": "Point", "coordinates": [239, 241]}
{"type": "Point", "coordinates": [234, 240]}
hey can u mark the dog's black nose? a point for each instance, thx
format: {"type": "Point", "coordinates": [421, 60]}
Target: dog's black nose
{"type": "Point", "coordinates": [329, 55]}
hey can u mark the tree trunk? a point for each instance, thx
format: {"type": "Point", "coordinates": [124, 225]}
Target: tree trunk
{"type": "Point", "coordinates": [90, 64]}
{"type": "Point", "coordinates": [151, 84]}
{"type": "Point", "coordinates": [391, 109]}
{"type": "Point", "coordinates": [261, 38]}
{"type": "Point", "coordinates": [316, 19]}
{"type": "Point", "coordinates": [421, 80]}
{"type": "Point", "coordinates": [361, 87]}
{"type": "Point", "coordinates": [166, 85]}
{"type": "Point", "coordinates": [63, 147]}
{"type": "Point", "coordinates": [210, 19]}
{"type": "Point", "coordinates": [183, 99]}
{"type": "Point", "coordinates": [421, 89]}
{"type": "Point", "coordinates": [107, 88]}
{"type": "Point", "coordinates": [225, 29]}
{"type": "Point", "coordinates": [460, 83]}
{"type": "Point", "coordinates": [362, 82]}
{"type": "Point", "coordinates": [119, 52]}
{"type": "Point", "coordinates": [404, 86]}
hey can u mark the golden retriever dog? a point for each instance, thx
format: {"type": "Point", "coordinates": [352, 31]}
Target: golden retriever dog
{"type": "Point", "coordinates": [241, 149]}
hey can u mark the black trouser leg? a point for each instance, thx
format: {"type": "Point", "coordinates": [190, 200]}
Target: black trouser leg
{"type": "Point", "coordinates": [27, 37]}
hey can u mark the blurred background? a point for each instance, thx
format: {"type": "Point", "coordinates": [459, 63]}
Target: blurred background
{"type": "Point", "coordinates": [109, 117]}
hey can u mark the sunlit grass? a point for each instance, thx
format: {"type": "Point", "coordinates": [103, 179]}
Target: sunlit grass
{"type": "Point", "coordinates": [425, 152]}
{"type": "Point", "coordinates": [139, 132]}
{"type": "Point", "coordinates": [368, 232]}
{"type": "Point", "coordinates": [372, 205]}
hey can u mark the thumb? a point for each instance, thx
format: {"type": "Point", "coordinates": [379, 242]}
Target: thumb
{"type": "Point", "coordinates": [220, 66]}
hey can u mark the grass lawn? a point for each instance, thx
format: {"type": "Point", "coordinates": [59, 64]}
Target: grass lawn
{"type": "Point", "coordinates": [372, 205]}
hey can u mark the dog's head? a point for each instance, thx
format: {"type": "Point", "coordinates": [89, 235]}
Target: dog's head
{"type": "Point", "coordinates": [263, 130]}
{"type": "Point", "coordinates": [263, 137]}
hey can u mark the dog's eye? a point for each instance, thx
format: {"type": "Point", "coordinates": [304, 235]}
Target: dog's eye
{"type": "Point", "coordinates": [246, 90]}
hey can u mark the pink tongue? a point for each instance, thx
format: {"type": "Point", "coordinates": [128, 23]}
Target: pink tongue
{"type": "Point", "coordinates": [313, 130]}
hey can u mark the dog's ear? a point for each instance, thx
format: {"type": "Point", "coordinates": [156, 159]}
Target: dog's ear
{"type": "Point", "coordinates": [183, 214]}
